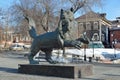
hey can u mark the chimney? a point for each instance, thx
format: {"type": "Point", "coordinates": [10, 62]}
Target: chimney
{"type": "Point", "coordinates": [103, 14]}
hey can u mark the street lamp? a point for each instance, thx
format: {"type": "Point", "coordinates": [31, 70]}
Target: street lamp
{"type": "Point", "coordinates": [93, 48]}
{"type": "Point", "coordinates": [114, 41]}
{"type": "Point", "coordinates": [84, 34]}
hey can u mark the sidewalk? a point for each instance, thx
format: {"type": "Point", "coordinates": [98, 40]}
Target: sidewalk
{"type": "Point", "coordinates": [9, 66]}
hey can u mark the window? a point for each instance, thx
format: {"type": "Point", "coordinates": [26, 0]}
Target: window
{"type": "Point", "coordinates": [88, 26]}
{"type": "Point", "coordinates": [95, 26]}
{"type": "Point", "coordinates": [81, 24]}
{"type": "Point", "coordinates": [81, 28]}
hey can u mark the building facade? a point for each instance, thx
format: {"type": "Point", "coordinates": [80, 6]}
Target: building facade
{"type": "Point", "coordinates": [95, 25]}
{"type": "Point", "coordinates": [115, 34]}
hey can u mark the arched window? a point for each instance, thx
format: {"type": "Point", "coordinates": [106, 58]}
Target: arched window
{"type": "Point", "coordinates": [88, 26]}
{"type": "Point", "coordinates": [95, 26]}
{"type": "Point", "coordinates": [95, 37]}
{"type": "Point", "coordinates": [81, 28]}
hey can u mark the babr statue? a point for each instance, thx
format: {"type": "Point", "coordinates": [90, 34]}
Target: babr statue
{"type": "Point", "coordinates": [60, 38]}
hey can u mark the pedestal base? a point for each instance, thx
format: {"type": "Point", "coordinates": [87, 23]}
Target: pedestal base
{"type": "Point", "coordinates": [58, 70]}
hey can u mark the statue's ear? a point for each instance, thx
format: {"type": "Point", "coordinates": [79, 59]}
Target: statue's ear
{"type": "Point", "coordinates": [71, 9]}
{"type": "Point", "coordinates": [61, 10]}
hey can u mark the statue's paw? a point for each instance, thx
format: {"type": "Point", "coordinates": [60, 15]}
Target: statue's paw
{"type": "Point", "coordinates": [77, 46]}
{"type": "Point", "coordinates": [34, 62]}
{"type": "Point", "coordinates": [52, 61]}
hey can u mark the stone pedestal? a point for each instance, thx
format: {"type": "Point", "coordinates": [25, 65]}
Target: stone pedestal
{"type": "Point", "coordinates": [58, 70]}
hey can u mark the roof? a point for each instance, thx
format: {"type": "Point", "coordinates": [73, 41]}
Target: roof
{"type": "Point", "coordinates": [115, 29]}
{"type": "Point", "coordinates": [90, 14]}
{"type": "Point", "coordinates": [93, 15]}
{"type": "Point", "coordinates": [115, 22]}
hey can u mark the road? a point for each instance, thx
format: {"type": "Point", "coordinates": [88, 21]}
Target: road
{"type": "Point", "coordinates": [9, 69]}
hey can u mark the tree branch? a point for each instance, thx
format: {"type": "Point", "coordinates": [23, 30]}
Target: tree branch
{"type": "Point", "coordinates": [78, 5]}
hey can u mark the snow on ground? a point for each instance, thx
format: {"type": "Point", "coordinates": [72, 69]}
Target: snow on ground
{"type": "Point", "coordinates": [99, 53]}
{"type": "Point", "coordinates": [103, 53]}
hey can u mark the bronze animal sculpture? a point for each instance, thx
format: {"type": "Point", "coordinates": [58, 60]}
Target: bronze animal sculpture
{"type": "Point", "coordinates": [60, 38]}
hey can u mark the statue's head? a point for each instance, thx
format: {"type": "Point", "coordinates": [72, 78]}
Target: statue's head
{"type": "Point", "coordinates": [67, 14]}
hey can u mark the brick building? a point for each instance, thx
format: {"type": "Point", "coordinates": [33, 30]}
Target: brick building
{"type": "Point", "coordinates": [115, 34]}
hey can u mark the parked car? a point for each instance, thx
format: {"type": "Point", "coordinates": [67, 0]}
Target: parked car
{"type": "Point", "coordinates": [26, 46]}
{"type": "Point", "coordinates": [16, 47]}
{"type": "Point", "coordinates": [95, 44]}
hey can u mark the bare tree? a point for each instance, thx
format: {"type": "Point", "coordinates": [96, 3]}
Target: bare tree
{"type": "Point", "coordinates": [49, 8]}
{"type": "Point", "coordinates": [45, 12]}
{"type": "Point", "coordinates": [41, 12]}
{"type": "Point", "coordinates": [85, 5]}
{"type": "Point", "coordinates": [25, 7]}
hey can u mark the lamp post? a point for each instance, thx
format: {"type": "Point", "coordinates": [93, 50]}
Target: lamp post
{"type": "Point", "coordinates": [93, 49]}
{"type": "Point", "coordinates": [113, 43]}
{"type": "Point", "coordinates": [85, 34]}
{"type": "Point", "coordinates": [84, 49]}
{"type": "Point", "coordinates": [84, 52]}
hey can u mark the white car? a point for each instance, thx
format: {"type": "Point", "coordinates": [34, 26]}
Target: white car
{"type": "Point", "coordinates": [16, 47]}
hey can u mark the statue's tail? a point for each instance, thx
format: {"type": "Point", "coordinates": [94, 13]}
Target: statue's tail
{"type": "Point", "coordinates": [32, 30]}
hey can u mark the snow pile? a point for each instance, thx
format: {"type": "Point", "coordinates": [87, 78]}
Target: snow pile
{"type": "Point", "coordinates": [99, 53]}
{"type": "Point", "coordinates": [103, 53]}
{"type": "Point", "coordinates": [116, 61]}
